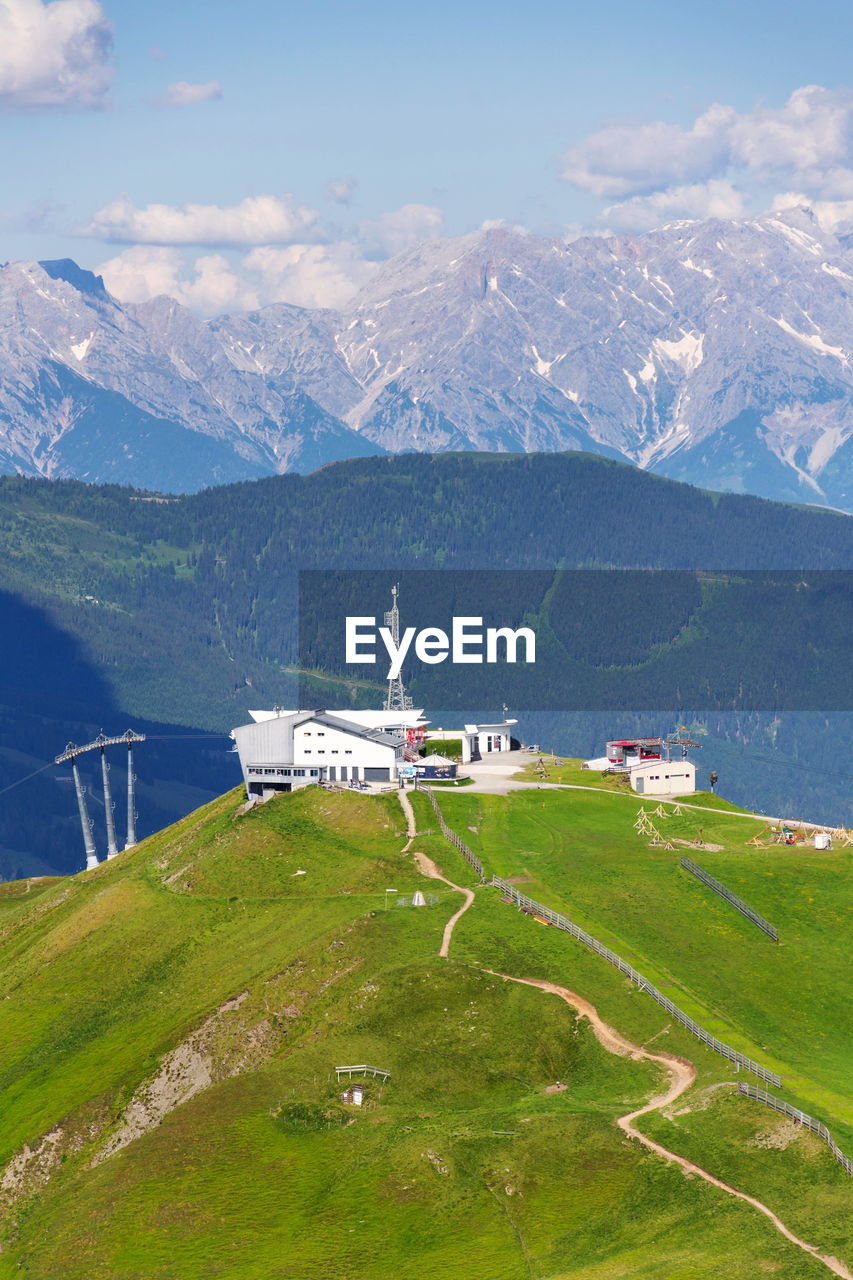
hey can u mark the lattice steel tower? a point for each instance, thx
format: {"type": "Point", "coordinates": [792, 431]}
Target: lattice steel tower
{"type": "Point", "coordinates": [395, 699]}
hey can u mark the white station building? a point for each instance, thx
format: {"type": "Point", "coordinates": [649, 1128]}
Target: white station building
{"type": "Point", "coordinates": [478, 740]}
{"type": "Point", "coordinates": [285, 750]}
{"type": "Point", "coordinates": [648, 766]}
{"type": "Point", "coordinates": [663, 778]}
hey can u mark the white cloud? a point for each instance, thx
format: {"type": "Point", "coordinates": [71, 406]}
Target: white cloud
{"type": "Point", "coordinates": [342, 190]}
{"type": "Point", "coordinates": [393, 232]}
{"type": "Point", "coordinates": [255, 220]}
{"type": "Point", "coordinates": [714, 199]}
{"type": "Point", "coordinates": [626, 159]}
{"type": "Point", "coordinates": [807, 143]}
{"type": "Point", "coordinates": [54, 55]}
{"type": "Point", "coordinates": [305, 275]}
{"type": "Point", "coordinates": [811, 135]}
{"type": "Point", "coordinates": [184, 94]}
{"type": "Point", "coordinates": [209, 284]}
{"type": "Point", "coordinates": [309, 275]}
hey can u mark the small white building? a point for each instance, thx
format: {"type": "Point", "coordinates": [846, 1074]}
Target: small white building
{"type": "Point", "coordinates": [663, 778]}
{"type": "Point", "coordinates": [479, 741]}
{"type": "Point", "coordinates": [292, 750]}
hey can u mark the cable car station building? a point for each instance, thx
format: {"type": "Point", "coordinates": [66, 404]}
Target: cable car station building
{"type": "Point", "coordinates": [290, 750]}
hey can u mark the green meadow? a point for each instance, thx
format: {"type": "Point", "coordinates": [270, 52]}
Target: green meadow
{"type": "Point", "coordinates": [172, 1022]}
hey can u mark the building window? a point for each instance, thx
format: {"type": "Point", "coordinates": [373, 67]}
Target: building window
{"type": "Point", "coordinates": [321, 752]}
{"type": "Point", "coordinates": [335, 751]}
{"type": "Point", "coordinates": [321, 733]}
{"type": "Point", "coordinates": [299, 773]}
{"type": "Point", "coordinates": [347, 752]}
{"type": "Point", "coordinates": [307, 751]}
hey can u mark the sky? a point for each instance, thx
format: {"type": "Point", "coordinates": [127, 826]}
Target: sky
{"type": "Point", "coordinates": [233, 155]}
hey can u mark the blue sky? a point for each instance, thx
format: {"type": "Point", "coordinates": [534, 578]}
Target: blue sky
{"type": "Point", "coordinates": [558, 117]}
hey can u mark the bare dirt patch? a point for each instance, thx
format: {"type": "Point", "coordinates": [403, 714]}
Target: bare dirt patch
{"type": "Point", "coordinates": [223, 1046]}
{"type": "Point", "coordinates": [781, 1136]}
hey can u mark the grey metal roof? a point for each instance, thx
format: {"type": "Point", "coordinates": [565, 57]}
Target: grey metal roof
{"type": "Point", "coordinates": [287, 724]}
{"type": "Point", "coordinates": [357, 730]}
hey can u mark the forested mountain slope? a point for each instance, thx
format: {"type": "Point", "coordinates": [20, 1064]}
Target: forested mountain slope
{"type": "Point", "coordinates": [183, 610]}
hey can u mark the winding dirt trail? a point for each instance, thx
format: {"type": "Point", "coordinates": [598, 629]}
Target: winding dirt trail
{"type": "Point", "coordinates": [681, 1075]}
{"type": "Point", "coordinates": [428, 868]}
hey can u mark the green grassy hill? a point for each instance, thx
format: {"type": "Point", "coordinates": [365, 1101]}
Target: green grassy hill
{"type": "Point", "coordinates": [172, 1021]}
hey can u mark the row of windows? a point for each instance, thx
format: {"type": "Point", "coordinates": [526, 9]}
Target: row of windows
{"type": "Point", "coordinates": [283, 773]}
{"type": "Point", "coordinates": [322, 751]}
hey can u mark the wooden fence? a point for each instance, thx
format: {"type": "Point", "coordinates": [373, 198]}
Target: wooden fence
{"type": "Point", "coordinates": [450, 834]}
{"type": "Point", "coordinates": [808, 1122]}
{"type": "Point", "coordinates": [740, 1060]}
{"type": "Point", "coordinates": [737, 903]}
{"type": "Point", "coordinates": [563, 922]}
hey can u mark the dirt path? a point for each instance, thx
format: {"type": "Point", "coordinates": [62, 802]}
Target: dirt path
{"type": "Point", "coordinates": [681, 1076]}
{"type": "Point", "coordinates": [409, 814]}
{"type": "Point", "coordinates": [428, 868]}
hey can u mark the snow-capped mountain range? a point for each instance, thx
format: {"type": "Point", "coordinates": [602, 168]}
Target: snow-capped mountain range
{"type": "Point", "coordinates": [717, 352]}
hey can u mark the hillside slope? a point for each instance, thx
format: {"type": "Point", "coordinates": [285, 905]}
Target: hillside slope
{"type": "Point", "coordinates": [167, 1051]}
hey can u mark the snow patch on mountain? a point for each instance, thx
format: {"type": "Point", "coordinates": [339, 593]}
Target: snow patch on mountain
{"type": "Point", "coordinates": [714, 351]}
{"type": "Point", "coordinates": [685, 351]}
{"type": "Point", "coordinates": [813, 340]}
{"type": "Point", "coordinates": [80, 350]}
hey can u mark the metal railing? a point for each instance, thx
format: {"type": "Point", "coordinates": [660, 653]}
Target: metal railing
{"type": "Point", "coordinates": [362, 1069]}
{"type": "Point", "coordinates": [737, 903]}
{"type": "Point", "coordinates": [563, 922]}
{"type": "Point", "coordinates": [808, 1122]}
{"type": "Point", "coordinates": [450, 834]}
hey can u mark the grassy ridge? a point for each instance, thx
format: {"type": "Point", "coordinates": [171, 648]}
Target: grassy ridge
{"type": "Point", "coordinates": [579, 852]}
{"type": "Point", "coordinates": [206, 941]}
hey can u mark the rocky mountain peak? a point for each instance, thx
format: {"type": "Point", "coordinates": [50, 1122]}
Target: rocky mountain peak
{"type": "Point", "coordinates": [717, 352]}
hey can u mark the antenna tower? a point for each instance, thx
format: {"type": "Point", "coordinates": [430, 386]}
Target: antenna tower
{"type": "Point", "coordinates": [395, 698]}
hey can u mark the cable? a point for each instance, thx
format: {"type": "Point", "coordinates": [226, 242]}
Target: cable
{"type": "Point", "coordinates": [12, 785]}
{"type": "Point", "coordinates": [155, 737]}
{"type": "Point", "coordinates": [165, 737]}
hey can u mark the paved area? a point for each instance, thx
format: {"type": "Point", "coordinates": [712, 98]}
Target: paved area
{"type": "Point", "coordinates": [497, 777]}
